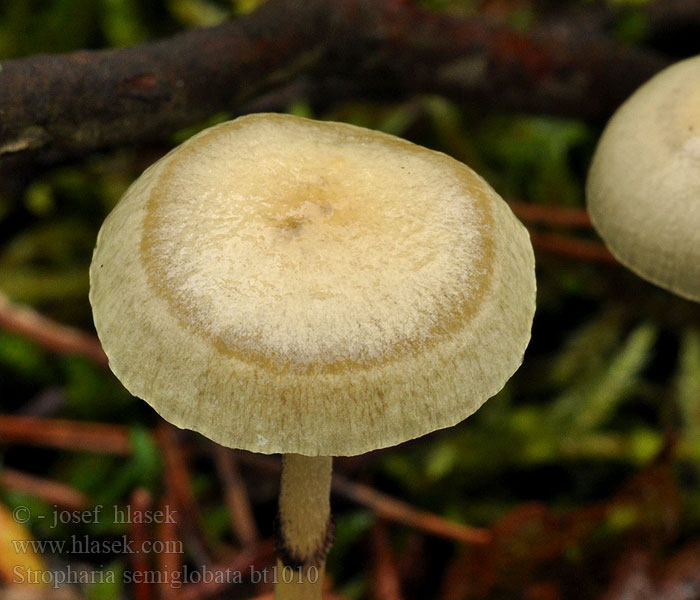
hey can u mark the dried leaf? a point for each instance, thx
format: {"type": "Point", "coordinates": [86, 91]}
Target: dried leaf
{"type": "Point", "coordinates": [17, 557]}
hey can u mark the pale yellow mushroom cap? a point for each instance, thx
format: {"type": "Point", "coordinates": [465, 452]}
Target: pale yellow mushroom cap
{"type": "Point", "coordinates": [643, 189]}
{"type": "Point", "coordinates": [286, 285]}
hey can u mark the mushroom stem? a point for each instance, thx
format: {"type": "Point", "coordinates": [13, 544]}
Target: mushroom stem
{"type": "Point", "coordinates": [305, 530]}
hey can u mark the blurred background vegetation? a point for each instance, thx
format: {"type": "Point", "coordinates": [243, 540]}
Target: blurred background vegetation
{"type": "Point", "coordinates": [584, 469]}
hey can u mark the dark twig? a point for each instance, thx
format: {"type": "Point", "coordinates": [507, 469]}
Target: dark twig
{"type": "Point", "coordinates": [140, 503]}
{"type": "Point", "coordinates": [66, 435]}
{"type": "Point", "coordinates": [553, 216]}
{"type": "Point", "coordinates": [179, 482]}
{"type": "Point", "coordinates": [52, 492]}
{"type": "Point", "coordinates": [169, 561]}
{"type": "Point", "coordinates": [571, 247]}
{"type": "Point", "coordinates": [386, 584]}
{"type": "Point", "coordinates": [237, 500]}
{"type": "Point", "coordinates": [398, 511]}
{"type": "Point", "coordinates": [26, 322]}
{"type": "Point", "coordinates": [56, 107]}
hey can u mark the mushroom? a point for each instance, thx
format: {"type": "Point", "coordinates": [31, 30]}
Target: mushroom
{"type": "Point", "coordinates": [315, 289]}
{"type": "Point", "coordinates": [643, 188]}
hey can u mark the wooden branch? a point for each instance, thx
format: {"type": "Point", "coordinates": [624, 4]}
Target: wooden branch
{"type": "Point", "coordinates": [140, 502]}
{"type": "Point", "coordinates": [179, 485]}
{"type": "Point", "coordinates": [398, 511]}
{"type": "Point", "coordinates": [61, 106]}
{"type": "Point", "coordinates": [571, 247]}
{"type": "Point", "coordinates": [236, 494]}
{"type": "Point", "coordinates": [65, 435]}
{"type": "Point", "coordinates": [52, 492]}
{"type": "Point", "coordinates": [57, 106]}
{"type": "Point", "coordinates": [551, 215]}
{"type": "Point", "coordinates": [169, 562]}
{"type": "Point", "coordinates": [62, 339]}
{"type": "Point", "coordinates": [386, 583]}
